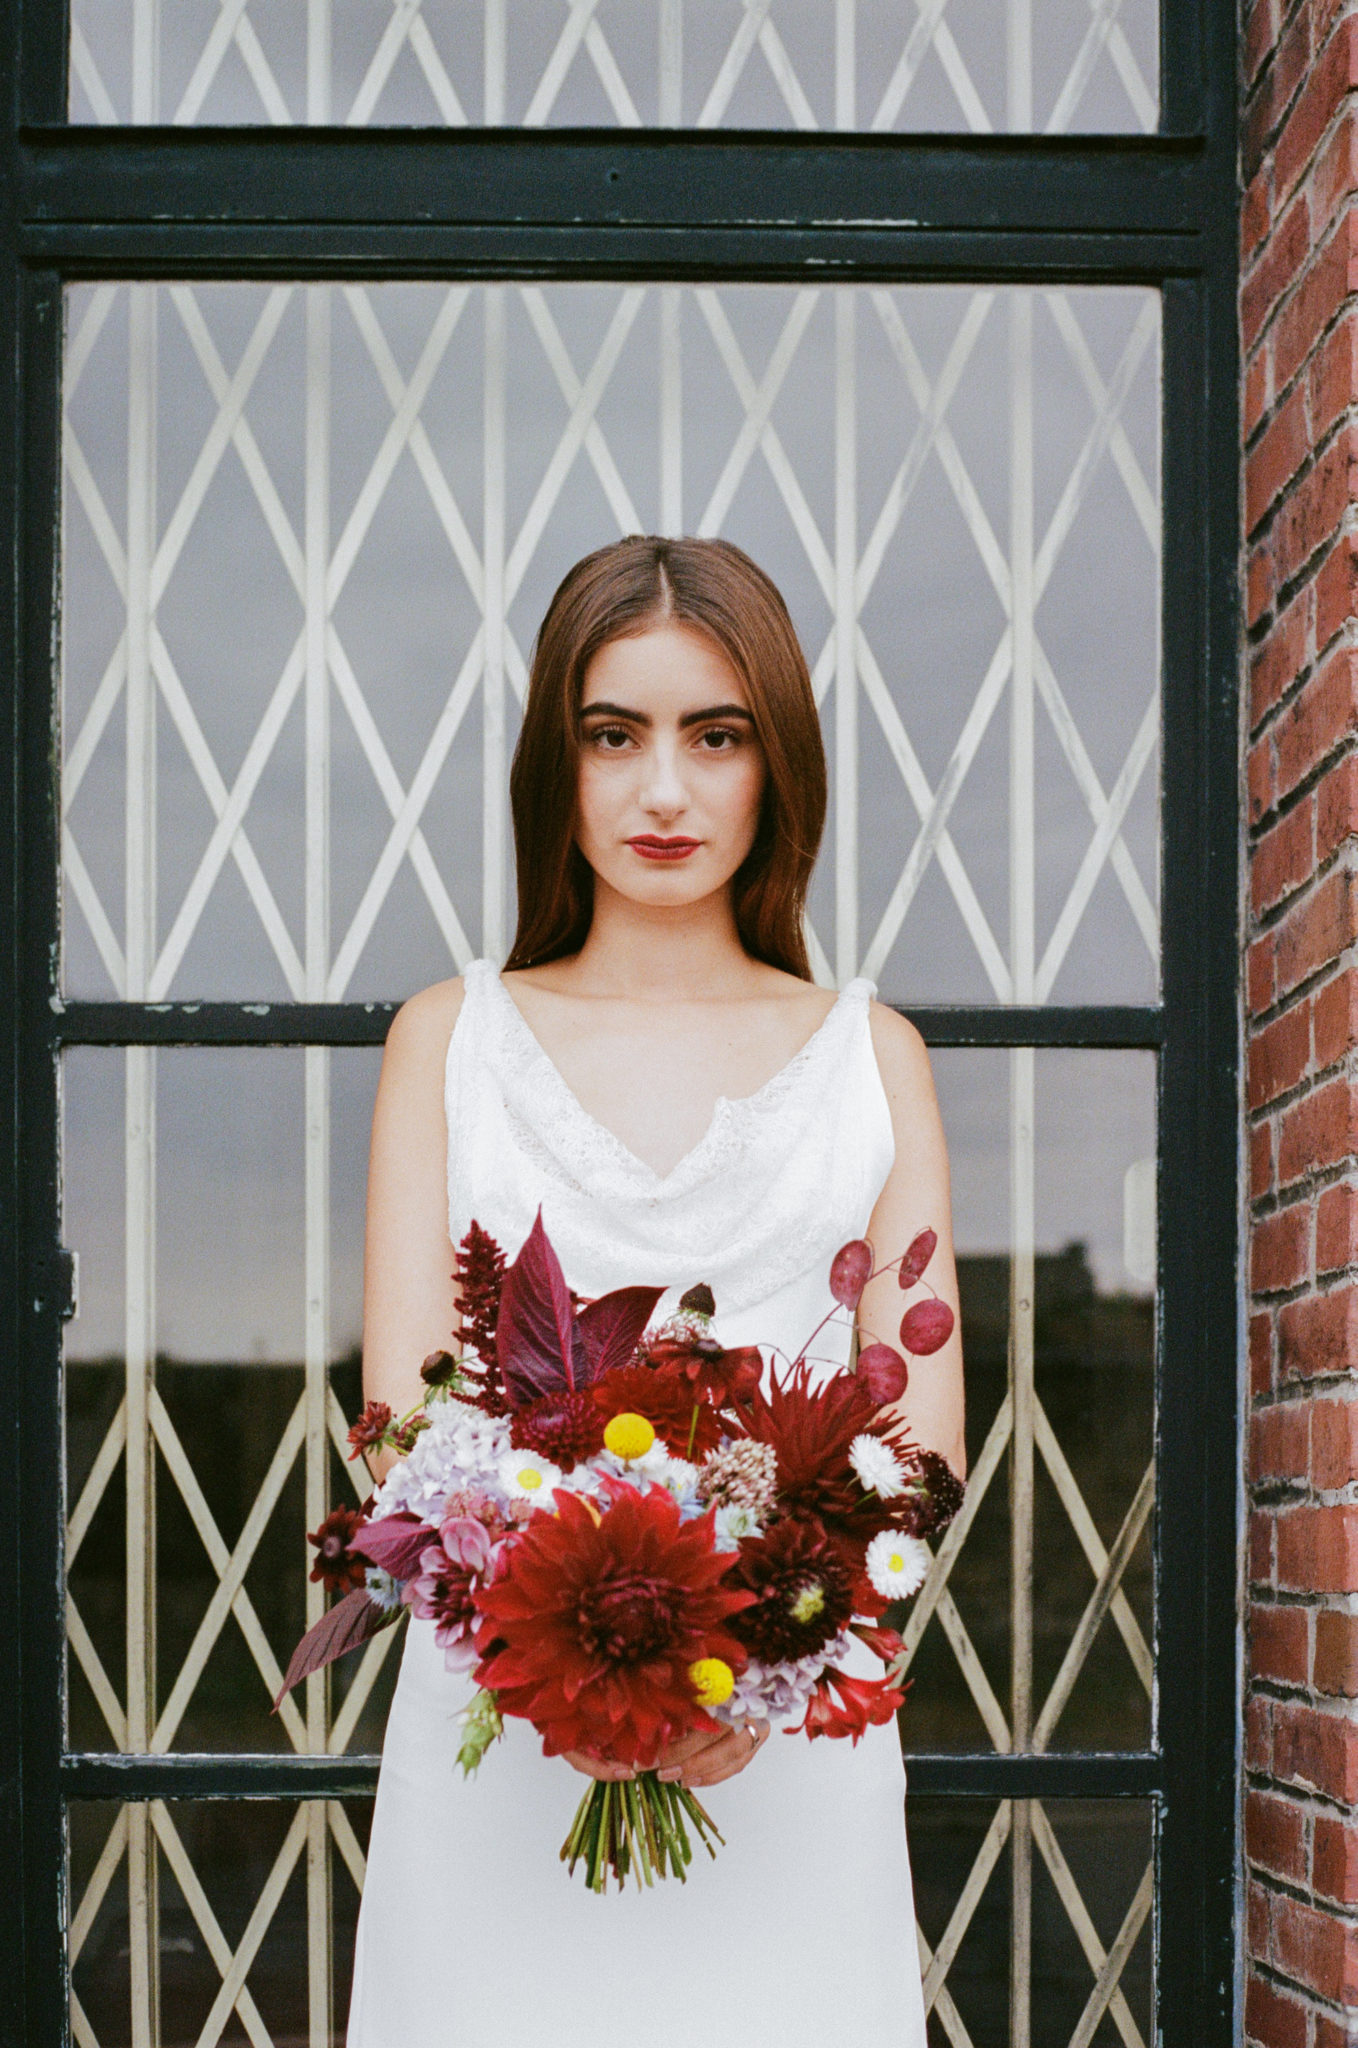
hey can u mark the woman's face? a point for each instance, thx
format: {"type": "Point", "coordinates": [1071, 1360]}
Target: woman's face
{"type": "Point", "coordinates": [671, 771]}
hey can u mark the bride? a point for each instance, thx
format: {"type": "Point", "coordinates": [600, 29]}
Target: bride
{"type": "Point", "coordinates": [657, 1070]}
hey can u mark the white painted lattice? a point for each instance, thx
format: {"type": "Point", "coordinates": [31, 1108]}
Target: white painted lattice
{"type": "Point", "coordinates": [978, 65]}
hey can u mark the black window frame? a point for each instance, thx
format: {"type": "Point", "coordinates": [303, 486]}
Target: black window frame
{"type": "Point", "coordinates": [308, 203]}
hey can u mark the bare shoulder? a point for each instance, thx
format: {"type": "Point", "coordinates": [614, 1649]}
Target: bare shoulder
{"type": "Point", "coordinates": [902, 1055]}
{"type": "Point", "coordinates": [422, 1026]}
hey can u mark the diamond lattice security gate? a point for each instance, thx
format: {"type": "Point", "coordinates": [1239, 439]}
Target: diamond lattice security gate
{"type": "Point", "coordinates": [578, 371]}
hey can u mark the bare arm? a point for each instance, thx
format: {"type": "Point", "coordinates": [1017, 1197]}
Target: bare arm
{"type": "Point", "coordinates": [917, 1196]}
{"type": "Point", "coordinates": [409, 1299]}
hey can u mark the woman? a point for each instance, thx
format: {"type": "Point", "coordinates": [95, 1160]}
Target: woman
{"type": "Point", "coordinates": [656, 1068]}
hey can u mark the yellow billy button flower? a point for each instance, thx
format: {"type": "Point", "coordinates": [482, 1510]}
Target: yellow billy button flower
{"type": "Point", "coordinates": [713, 1680]}
{"type": "Point", "coordinates": [629, 1436]}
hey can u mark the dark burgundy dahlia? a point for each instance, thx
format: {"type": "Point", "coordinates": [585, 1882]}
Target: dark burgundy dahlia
{"type": "Point", "coordinates": [803, 1591]}
{"type": "Point", "coordinates": [564, 1426]}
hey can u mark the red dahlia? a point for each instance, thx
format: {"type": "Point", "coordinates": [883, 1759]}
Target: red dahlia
{"type": "Point", "coordinates": [591, 1627]}
{"type": "Point", "coordinates": [803, 1591]}
{"type": "Point", "coordinates": [666, 1401]}
{"type": "Point", "coordinates": [810, 1429]}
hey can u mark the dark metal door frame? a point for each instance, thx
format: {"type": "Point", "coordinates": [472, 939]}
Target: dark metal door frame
{"type": "Point", "coordinates": [233, 203]}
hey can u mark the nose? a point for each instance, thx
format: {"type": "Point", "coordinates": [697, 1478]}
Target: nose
{"type": "Point", "coordinates": [663, 794]}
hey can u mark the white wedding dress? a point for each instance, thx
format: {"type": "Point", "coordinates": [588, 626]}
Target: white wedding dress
{"type": "Point", "coordinates": [802, 1931]}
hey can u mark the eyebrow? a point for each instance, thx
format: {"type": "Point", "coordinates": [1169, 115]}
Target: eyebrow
{"type": "Point", "coordinates": [688, 718]}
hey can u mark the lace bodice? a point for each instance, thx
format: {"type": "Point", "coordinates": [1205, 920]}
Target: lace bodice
{"type": "Point", "coordinates": [778, 1181]}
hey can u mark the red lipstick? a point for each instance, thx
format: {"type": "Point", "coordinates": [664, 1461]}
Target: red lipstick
{"type": "Point", "coordinates": [650, 847]}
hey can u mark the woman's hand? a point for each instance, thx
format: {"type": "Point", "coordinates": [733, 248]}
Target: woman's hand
{"type": "Point", "coordinates": [605, 1768]}
{"type": "Point", "coordinates": [697, 1759]}
{"type": "Point", "coordinates": [705, 1759]}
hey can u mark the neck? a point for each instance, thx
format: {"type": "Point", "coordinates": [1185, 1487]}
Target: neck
{"type": "Point", "coordinates": [647, 952]}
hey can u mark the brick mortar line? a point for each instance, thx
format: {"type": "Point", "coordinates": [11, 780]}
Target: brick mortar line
{"type": "Point", "coordinates": [1271, 1973]}
{"type": "Point", "coordinates": [1287, 593]}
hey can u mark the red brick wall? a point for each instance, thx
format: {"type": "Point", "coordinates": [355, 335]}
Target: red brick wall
{"type": "Point", "coordinates": [1299, 329]}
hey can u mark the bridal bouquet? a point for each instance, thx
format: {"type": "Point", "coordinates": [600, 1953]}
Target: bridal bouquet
{"type": "Point", "coordinates": [626, 1534]}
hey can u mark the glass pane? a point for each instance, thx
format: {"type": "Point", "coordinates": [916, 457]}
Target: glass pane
{"type": "Point", "coordinates": [210, 1374]}
{"type": "Point", "coordinates": [288, 719]}
{"type": "Point", "coordinates": [978, 65]}
{"type": "Point", "coordinates": [1070, 1877]}
{"type": "Point", "coordinates": [241, 1914]}
{"type": "Point", "coordinates": [1035, 1627]}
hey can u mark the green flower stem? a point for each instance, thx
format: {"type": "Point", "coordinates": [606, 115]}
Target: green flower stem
{"type": "Point", "coordinates": [637, 1827]}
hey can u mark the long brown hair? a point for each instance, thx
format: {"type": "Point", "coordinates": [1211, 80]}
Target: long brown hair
{"type": "Point", "coordinates": [616, 592]}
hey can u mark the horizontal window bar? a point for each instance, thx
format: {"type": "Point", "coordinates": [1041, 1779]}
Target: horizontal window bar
{"type": "Point", "coordinates": [343, 1777]}
{"type": "Point", "coordinates": [439, 177]}
{"type": "Point", "coordinates": [222, 1023]}
{"type": "Point", "coordinates": [368, 1023]}
{"type": "Point", "coordinates": [757, 253]}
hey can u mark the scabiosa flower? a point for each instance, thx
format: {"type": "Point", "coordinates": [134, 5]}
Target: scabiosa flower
{"type": "Point", "coordinates": [803, 1590]}
{"type": "Point", "coordinates": [594, 1620]}
{"type": "Point", "coordinates": [731, 1526]}
{"type": "Point", "coordinates": [335, 1568]}
{"type": "Point", "coordinates": [526, 1475]}
{"type": "Point", "coordinates": [741, 1475]}
{"type": "Point", "coordinates": [897, 1564]}
{"type": "Point", "coordinates": [932, 1495]}
{"type": "Point", "coordinates": [382, 1588]}
{"type": "Point", "coordinates": [369, 1430]}
{"type": "Point", "coordinates": [877, 1467]}
{"type": "Point", "coordinates": [566, 1427]}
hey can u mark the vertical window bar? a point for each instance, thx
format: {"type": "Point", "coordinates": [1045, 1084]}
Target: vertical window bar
{"type": "Point", "coordinates": [140, 1105]}
{"type": "Point", "coordinates": [493, 685]}
{"type": "Point", "coordinates": [1022, 1136]}
{"type": "Point", "coordinates": [317, 1094]}
{"type": "Point", "coordinates": [846, 642]}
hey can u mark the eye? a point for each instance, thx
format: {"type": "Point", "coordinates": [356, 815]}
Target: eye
{"type": "Point", "coordinates": [608, 739]}
{"type": "Point", "coordinates": [720, 739]}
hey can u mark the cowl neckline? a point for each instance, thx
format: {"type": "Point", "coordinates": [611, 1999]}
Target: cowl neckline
{"type": "Point", "coordinates": [565, 1124]}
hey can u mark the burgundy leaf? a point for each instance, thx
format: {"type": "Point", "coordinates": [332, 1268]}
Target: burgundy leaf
{"type": "Point", "coordinates": [926, 1327]}
{"type": "Point", "coordinates": [610, 1327]}
{"type": "Point", "coordinates": [537, 1346]}
{"type": "Point", "coordinates": [849, 1270]}
{"type": "Point", "coordinates": [394, 1542]}
{"type": "Point", "coordinates": [883, 1372]}
{"type": "Point", "coordinates": [343, 1627]}
{"type": "Point", "coordinates": [917, 1257]}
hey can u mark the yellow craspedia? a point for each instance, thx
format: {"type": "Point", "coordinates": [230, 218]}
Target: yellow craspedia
{"type": "Point", "coordinates": [629, 1436]}
{"type": "Point", "coordinates": [713, 1680]}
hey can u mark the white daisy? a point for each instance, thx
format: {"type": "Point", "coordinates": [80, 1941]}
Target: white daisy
{"type": "Point", "coordinates": [526, 1476]}
{"type": "Point", "coordinates": [876, 1466]}
{"type": "Point", "coordinates": [897, 1564]}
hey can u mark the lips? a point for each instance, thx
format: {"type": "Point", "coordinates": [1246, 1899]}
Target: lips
{"type": "Point", "coordinates": [652, 848]}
